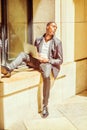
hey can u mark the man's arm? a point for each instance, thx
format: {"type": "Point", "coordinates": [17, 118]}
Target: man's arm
{"type": "Point", "coordinates": [59, 59]}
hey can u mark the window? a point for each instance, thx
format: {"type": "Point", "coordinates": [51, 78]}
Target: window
{"type": "Point", "coordinates": [16, 26]}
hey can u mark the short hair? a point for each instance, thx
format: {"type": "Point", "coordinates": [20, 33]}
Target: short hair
{"type": "Point", "coordinates": [50, 23]}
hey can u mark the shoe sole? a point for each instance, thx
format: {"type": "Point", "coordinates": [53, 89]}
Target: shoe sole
{"type": "Point", "coordinates": [44, 115]}
{"type": "Point", "coordinates": [3, 70]}
{"type": "Point", "coordinates": [6, 73]}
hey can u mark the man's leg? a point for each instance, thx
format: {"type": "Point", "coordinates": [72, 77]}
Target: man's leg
{"type": "Point", "coordinates": [46, 71]}
{"type": "Point", "coordinates": [46, 90]}
{"type": "Point", "coordinates": [18, 61]}
{"type": "Point", "coordinates": [14, 64]}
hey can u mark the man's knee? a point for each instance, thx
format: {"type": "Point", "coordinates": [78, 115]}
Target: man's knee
{"type": "Point", "coordinates": [45, 66]}
{"type": "Point", "coordinates": [46, 70]}
{"type": "Point", "coordinates": [24, 56]}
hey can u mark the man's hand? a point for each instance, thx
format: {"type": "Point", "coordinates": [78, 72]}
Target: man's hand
{"type": "Point", "coordinates": [43, 60]}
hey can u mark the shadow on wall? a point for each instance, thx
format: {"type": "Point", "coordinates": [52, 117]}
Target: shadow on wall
{"type": "Point", "coordinates": [80, 29]}
{"type": "Point", "coordinates": [80, 43]}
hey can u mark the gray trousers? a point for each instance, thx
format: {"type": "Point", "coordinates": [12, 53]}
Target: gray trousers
{"type": "Point", "coordinates": [44, 68]}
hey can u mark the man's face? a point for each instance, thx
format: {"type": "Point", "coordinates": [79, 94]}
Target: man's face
{"type": "Point", "coordinates": [51, 29]}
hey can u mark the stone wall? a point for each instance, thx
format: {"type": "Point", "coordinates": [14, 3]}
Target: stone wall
{"type": "Point", "coordinates": [43, 12]}
{"type": "Point", "coordinates": [73, 34]}
{"type": "Point", "coordinates": [71, 17]}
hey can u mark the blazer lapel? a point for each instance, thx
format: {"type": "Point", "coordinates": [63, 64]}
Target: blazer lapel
{"type": "Point", "coordinates": [50, 48]}
{"type": "Point", "coordinates": [40, 44]}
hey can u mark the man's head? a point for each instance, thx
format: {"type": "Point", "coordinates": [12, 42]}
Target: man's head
{"type": "Point", "coordinates": [51, 28]}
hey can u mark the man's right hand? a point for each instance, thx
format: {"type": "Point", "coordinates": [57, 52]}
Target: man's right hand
{"type": "Point", "coordinates": [42, 60]}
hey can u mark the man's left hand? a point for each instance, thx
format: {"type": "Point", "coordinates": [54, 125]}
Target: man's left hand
{"type": "Point", "coordinates": [43, 60]}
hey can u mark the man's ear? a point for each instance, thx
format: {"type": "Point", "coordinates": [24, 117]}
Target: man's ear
{"type": "Point", "coordinates": [47, 27]}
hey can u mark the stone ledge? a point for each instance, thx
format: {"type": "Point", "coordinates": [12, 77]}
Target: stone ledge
{"type": "Point", "coordinates": [18, 96]}
{"type": "Point", "coordinates": [19, 81]}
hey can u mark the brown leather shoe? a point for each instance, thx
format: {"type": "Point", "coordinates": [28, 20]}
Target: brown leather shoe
{"type": "Point", "coordinates": [5, 71]}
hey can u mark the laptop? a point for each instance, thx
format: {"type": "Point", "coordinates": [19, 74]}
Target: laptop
{"type": "Point", "coordinates": [31, 49]}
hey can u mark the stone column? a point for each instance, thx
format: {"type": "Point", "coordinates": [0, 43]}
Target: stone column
{"type": "Point", "coordinates": [73, 30]}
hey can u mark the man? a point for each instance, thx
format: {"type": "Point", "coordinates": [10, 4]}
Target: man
{"type": "Point", "coordinates": [50, 58]}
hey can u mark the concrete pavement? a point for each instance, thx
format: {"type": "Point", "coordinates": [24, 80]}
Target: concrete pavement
{"type": "Point", "coordinates": [70, 114]}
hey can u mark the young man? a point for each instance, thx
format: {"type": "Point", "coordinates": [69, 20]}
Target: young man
{"type": "Point", "coordinates": [50, 58]}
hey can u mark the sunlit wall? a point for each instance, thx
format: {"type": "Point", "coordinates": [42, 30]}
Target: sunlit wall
{"type": "Point", "coordinates": [73, 24]}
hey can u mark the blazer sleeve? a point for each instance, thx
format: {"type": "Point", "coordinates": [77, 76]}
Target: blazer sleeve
{"type": "Point", "coordinates": [58, 60]}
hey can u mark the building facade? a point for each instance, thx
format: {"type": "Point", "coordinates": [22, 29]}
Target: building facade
{"type": "Point", "coordinates": [23, 21]}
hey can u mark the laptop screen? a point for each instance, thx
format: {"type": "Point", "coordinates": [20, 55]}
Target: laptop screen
{"type": "Point", "coordinates": [31, 49]}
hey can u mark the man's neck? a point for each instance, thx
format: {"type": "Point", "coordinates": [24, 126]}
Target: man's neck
{"type": "Point", "coordinates": [47, 37]}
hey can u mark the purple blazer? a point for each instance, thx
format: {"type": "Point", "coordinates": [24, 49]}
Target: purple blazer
{"type": "Point", "coordinates": [55, 53]}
